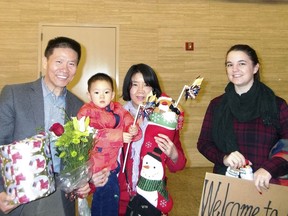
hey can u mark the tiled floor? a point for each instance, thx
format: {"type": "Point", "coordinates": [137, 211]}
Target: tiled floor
{"type": "Point", "coordinates": [186, 189]}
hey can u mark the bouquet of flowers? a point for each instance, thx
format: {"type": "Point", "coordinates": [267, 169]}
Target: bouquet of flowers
{"type": "Point", "coordinates": [73, 142]}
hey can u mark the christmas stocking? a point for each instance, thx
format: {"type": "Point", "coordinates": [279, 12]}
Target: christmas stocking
{"type": "Point", "coordinates": [152, 181]}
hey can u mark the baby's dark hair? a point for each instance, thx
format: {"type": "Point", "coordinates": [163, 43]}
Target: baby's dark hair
{"type": "Point", "coordinates": [62, 42]}
{"type": "Point", "coordinates": [100, 76]}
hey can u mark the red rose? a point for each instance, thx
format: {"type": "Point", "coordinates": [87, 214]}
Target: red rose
{"type": "Point", "coordinates": [57, 128]}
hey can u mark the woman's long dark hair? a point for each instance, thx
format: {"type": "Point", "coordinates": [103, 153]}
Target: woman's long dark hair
{"type": "Point", "coordinates": [149, 77]}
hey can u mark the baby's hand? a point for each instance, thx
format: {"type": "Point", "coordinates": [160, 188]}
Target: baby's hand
{"type": "Point", "coordinates": [133, 130]}
{"type": "Point", "coordinates": [127, 137]}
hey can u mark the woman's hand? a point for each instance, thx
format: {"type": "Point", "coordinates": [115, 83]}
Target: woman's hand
{"type": "Point", "coordinates": [6, 203]}
{"type": "Point", "coordinates": [261, 179]}
{"type": "Point", "coordinates": [167, 146]}
{"type": "Point", "coordinates": [235, 160]}
{"type": "Point", "coordinates": [100, 178]}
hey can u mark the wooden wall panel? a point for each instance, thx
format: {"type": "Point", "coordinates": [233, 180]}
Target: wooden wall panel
{"type": "Point", "coordinates": [155, 32]}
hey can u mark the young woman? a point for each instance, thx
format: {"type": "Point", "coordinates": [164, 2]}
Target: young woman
{"type": "Point", "coordinates": [139, 81]}
{"type": "Point", "coordinates": [245, 122]}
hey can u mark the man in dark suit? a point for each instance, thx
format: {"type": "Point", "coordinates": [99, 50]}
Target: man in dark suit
{"type": "Point", "coordinates": [24, 108]}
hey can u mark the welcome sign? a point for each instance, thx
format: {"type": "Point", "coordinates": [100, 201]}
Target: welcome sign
{"type": "Point", "coordinates": [228, 196]}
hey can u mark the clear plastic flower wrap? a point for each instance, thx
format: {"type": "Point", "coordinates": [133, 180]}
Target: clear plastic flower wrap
{"type": "Point", "coordinates": [72, 180]}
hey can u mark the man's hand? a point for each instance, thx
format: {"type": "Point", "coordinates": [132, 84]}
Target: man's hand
{"type": "Point", "coordinates": [6, 203]}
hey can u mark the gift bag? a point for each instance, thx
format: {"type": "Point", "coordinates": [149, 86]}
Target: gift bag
{"type": "Point", "coordinates": [27, 168]}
